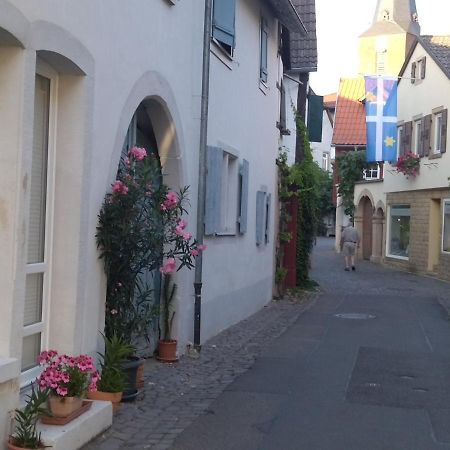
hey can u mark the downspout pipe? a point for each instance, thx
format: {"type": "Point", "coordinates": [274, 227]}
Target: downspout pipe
{"type": "Point", "coordinates": [202, 172]}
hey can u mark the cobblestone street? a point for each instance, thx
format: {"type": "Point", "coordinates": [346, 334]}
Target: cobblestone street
{"type": "Point", "coordinates": [195, 403]}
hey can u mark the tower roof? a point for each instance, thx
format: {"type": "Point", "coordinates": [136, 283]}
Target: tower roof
{"type": "Point", "coordinates": [394, 16]}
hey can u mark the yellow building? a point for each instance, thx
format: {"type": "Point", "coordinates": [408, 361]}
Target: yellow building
{"type": "Point", "coordinates": [384, 46]}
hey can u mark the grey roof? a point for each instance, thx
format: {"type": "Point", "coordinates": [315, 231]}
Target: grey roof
{"type": "Point", "coordinates": [288, 15]}
{"type": "Point", "coordinates": [438, 48]}
{"type": "Point", "coordinates": [303, 49]}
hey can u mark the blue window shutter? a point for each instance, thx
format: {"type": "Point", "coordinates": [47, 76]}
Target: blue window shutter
{"type": "Point", "coordinates": [223, 21]}
{"type": "Point", "coordinates": [214, 162]}
{"type": "Point", "coordinates": [263, 56]}
{"type": "Point", "coordinates": [243, 171]}
{"type": "Point", "coordinates": [260, 210]}
{"type": "Point", "coordinates": [267, 224]}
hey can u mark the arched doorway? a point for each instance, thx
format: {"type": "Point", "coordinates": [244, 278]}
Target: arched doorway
{"type": "Point", "coordinates": [367, 213]}
{"type": "Point", "coordinates": [141, 133]}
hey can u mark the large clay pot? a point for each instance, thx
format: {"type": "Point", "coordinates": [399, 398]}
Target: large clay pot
{"type": "Point", "coordinates": [63, 406]}
{"type": "Point", "coordinates": [167, 351]}
{"type": "Point", "coordinates": [113, 397]}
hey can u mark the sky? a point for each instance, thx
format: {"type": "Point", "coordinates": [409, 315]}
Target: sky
{"type": "Point", "coordinates": [339, 23]}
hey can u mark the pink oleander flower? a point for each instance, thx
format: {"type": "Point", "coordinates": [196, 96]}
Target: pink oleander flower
{"type": "Point", "coordinates": [171, 200]}
{"type": "Point", "coordinates": [168, 266]}
{"type": "Point", "coordinates": [179, 231]}
{"type": "Point", "coordinates": [119, 188]}
{"type": "Point", "coordinates": [182, 224]}
{"type": "Point", "coordinates": [194, 252]}
{"type": "Point", "coordinates": [187, 236]}
{"type": "Point", "coordinates": [138, 153]}
{"type": "Point", "coordinates": [202, 247]}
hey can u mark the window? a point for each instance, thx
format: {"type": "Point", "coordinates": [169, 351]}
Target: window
{"type": "Point", "coordinates": [372, 173]}
{"type": "Point", "coordinates": [263, 50]}
{"type": "Point", "coordinates": [418, 70]}
{"type": "Point", "coordinates": [263, 206]}
{"type": "Point", "coordinates": [399, 231]}
{"type": "Point", "coordinates": [325, 161]}
{"type": "Point", "coordinates": [223, 26]}
{"type": "Point", "coordinates": [446, 227]}
{"type": "Point", "coordinates": [440, 132]}
{"type": "Point", "coordinates": [400, 139]}
{"type": "Point", "coordinates": [418, 137]}
{"type": "Point", "coordinates": [37, 267]}
{"type": "Point", "coordinates": [226, 193]}
{"type": "Point", "coordinates": [381, 62]}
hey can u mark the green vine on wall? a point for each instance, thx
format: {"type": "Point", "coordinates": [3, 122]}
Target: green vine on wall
{"type": "Point", "coordinates": [350, 169]}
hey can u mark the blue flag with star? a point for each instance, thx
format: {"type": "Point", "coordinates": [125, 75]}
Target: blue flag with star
{"type": "Point", "coordinates": [381, 118]}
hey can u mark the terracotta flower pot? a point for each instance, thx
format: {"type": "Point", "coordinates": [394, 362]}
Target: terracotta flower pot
{"type": "Point", "coordinates": [113, 397]}
{"type": "Point", "coordinates": [167, 351]}
{"type": "Point", "coordinates": [63, 406]}
{"type": "Point", "coordinates": [10, 445]}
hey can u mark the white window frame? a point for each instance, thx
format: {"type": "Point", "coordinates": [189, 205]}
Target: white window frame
{"type": "Point", "coordinates": [372, 173]}
{"type": "Point", "coordinates": [389, 232]}
{"type": "Point", "coordinates": [437, 133]}
{"type": "Point", "coordinates": [229, 194]}
{"type": "Point", "coordinates": [400, 134]}
{"type": "Point", "coordinates": [444, 201]}
{"type": "Point", "coordinates": [44, 267]}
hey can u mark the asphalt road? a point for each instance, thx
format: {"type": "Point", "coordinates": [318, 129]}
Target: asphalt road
{"type": "Point", "coordinates": [366, 367]}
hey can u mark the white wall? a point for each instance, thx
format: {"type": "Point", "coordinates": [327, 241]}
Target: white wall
{"type": "Point", "coordinates": [288, 141]}
{"type": "Point", "coordinates": [110, 57]}
{"type": "Point", "coordinates": [319, 148]}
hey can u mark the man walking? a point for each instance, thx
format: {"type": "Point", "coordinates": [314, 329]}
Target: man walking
{"type": "Point", "coordinates": [349, 244]}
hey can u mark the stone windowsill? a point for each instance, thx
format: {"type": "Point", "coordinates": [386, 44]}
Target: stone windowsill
{"type": "Point", "coordinates": [9, 369]}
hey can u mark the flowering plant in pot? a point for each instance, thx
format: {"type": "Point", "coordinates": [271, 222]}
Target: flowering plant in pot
{"type": "Point", "coordinates": [112, 381]}
{"type": "Point", "coordinates": [68, 379]}
{"type": "Point", "coordinates": [140, 230]}
{"type": "Point", "coordinates": [25, 435]}
{"type": "Point", "coordinates": [408, 164]}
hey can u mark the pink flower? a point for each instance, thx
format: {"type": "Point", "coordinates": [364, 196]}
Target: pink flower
{"type": "Point", "coordinates": [202, 247]}
{"type": "Point", "coordinates": [138, 153]}
{"type": "Point", "coordinates": [194, 252]}
{"type": "Point", "coordinates": [168, 266]}
{"type": "Point", "coordinates": [171, 200]}
{"type": "Point", "coordinates": [179, 231]}
{"type": "Point", "coordinates": [119, 188]}
{"type": "Point", "coordinates": [187, 236]}
{"type": "Point", "coordinates": [182, 224]}
{"type": "Point", "coordinates": [62, 391]}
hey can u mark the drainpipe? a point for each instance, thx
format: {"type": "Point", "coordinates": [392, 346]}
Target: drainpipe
{"type": "Point", "coordinates": [202, 171]}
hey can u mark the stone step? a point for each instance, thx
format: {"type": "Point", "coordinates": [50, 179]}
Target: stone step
{"type": "Point", "coordinates": [79, 431]}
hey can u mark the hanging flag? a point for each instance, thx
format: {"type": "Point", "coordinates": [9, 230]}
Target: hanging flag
{"type": "Point", "coordinates": [381, 118]}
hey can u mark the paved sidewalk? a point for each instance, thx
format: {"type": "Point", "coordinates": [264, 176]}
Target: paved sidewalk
{"type": "Point", "coordinates": [176, 394]}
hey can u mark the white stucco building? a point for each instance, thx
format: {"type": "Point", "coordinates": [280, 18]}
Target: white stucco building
{"type": "Point", "coordinates": [74, 78]}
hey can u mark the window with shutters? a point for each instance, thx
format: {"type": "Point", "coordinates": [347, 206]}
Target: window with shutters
{"type": "Point", "coordinates": [446, 226]}
{"type": "Point", "coordinates": [264, 40]}
{"type": "Point", "coordinates": [223, 24]}
{"type": "Point", "coordinates": [38, 263]}
{"type": "Point", "coordinates": [417, 137]}
{"type": "Point", "coordinates": [418, 70]}
{"type": "Point", "coordinates": [439, 127]}
{"type": "Point", "coordinates": [226, 193]}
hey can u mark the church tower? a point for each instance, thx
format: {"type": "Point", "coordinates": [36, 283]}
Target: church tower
{"type": "Point", "coordinates": [384, 46]}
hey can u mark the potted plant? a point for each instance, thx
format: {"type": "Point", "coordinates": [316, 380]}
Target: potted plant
{"type": "Point", "coordinates": [25, 435]}
{"type": "Point", "coordinates": [68, 379]}
{"type": "Point", "coordinates": [140, 230]}
{"type": "Point", "coordinates": [112, 380]}
{"type": "Point", "coordinates": [408, 164]}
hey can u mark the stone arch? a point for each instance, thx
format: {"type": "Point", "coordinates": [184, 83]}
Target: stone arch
{"type": "Point", "coordinates": [156, 94]}
{"type": "Point", "coordinates": [363, 217]}
{"type": "Point", "coordinates": [364, 193]}
{"type": "Point", "coordinates": [63, 51]}
{"type": "Point", "coordinates": [14, 27]}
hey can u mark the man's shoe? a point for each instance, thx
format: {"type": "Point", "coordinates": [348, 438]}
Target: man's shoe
{"type": "Point", "coordinates": [347, 269]}
{"type": "Point", "coordinates": [353, 268]}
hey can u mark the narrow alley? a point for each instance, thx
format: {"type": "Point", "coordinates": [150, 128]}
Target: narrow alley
{"type": "Point", "coordinates": [367, 366]}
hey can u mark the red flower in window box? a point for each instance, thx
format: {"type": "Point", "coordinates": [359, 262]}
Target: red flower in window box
{"type": "Point", "coordinates": [408, 164]}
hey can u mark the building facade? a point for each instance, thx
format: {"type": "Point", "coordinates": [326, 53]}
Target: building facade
{"type": "Point", "coordinates": [77, 80]}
